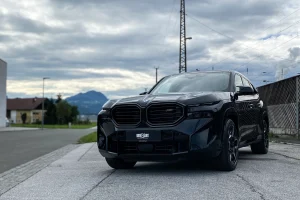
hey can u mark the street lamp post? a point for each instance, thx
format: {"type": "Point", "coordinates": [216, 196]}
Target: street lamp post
{"type": "Point", "coordinates": [156, 68]}
{"type": "Point", "coordinates": [43, 104]}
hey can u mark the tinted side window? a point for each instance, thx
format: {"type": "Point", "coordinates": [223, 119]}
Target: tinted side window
{"type": "Point", "coordinates": [246, 83]}
{"type": "Point", "coordinates": [238, 82]}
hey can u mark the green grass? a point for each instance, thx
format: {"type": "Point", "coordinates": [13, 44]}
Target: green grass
{"type": "Point", "coordinates": [65, 126]}
{"type": "Point", "coordinates": [92, 137]}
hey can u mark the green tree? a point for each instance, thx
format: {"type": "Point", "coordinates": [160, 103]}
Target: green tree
{"type": "Point", "coordinates": [50, 115]}
{"type": "Point", "coordinates": [59, 98]}
{"type": "Point", "coordinates": [63, 112]}
{"type": "Point", "coordinates": [24, 117]}
{"type": "Point", "coordinates": [74, 114]}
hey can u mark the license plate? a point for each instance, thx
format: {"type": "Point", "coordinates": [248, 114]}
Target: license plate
{"type": "Point", "coordinates": [143, 136]}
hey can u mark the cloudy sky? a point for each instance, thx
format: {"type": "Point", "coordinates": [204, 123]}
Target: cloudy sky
{"type": "Point", "coordinates": [112, 46]}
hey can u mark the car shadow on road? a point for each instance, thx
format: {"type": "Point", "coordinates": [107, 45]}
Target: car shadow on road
{"type": "Point", "coordinates": [248, 155]}
{"type": "Point", "coordinates": [203, 166]}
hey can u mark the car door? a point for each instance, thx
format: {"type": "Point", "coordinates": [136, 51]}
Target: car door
{"type": "Point", "coordinates": [241, 108]}
{"type": "Point", "coordinates": [251, 112]}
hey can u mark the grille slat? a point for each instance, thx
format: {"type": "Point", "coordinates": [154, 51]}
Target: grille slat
{"type": "Point", "coordinates": [127, 115]}
{"type": "Point", "coordinates": [164, 114]}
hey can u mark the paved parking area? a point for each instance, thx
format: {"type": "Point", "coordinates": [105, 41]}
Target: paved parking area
{"type": "Point", "coordinates": [83, 174]}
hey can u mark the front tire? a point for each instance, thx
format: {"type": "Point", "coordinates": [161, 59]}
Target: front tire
{"type": "Point", "coordinates": [228, 159]}
{"type": "Point", "coordinates": [263, 146]}
{"type": "Point", "coordinates": [117, 163]}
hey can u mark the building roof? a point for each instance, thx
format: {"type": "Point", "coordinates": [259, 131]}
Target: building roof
{"type": "Point", "coordinates": [24, 104]}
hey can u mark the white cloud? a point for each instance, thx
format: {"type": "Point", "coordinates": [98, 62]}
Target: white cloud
{"type": "Point", "coordinates": [112, 46]}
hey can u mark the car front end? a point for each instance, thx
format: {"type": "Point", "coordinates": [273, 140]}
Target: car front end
{"type": "Point", "coordinates": [167, 127]}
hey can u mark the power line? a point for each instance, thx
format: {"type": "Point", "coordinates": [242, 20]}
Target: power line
{"type": "Point", "coordinates": [257, 42]}
{"type": "Point", "coordinates": [165, 49]}
{"type": "Point", "coordinates": [214, 30]}
{"type": "Point", "coordinates": [229, 37]}
{"type": "Point", "coordinates": [270, 50]}
{"type": "Point", "coordinates": [282, 19]}
{"type": "Point", "coordinates": [167, 27]}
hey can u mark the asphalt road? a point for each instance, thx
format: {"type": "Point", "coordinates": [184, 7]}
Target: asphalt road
{"type": "Point", "coordinates": [18, 147]}
{"type": "Point", "coordinates": [84, 175]}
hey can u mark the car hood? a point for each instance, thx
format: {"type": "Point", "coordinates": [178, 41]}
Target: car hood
{"type": "Point", "coordinates": [183, 98]}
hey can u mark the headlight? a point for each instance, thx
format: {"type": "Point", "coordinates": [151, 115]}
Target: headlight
{"type": "Point", "coordinates": [199, 115]}
{"type": "Point", "coordinates": [199, 107]}
{"type": "Point", "coordinates": [198, 111]}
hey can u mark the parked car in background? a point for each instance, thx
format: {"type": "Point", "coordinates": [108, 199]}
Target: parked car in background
{"type": "Point", "coordinates": [185, 116]}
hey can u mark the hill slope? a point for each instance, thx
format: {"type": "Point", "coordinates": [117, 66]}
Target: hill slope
{"type": "Point", "coordinates": [89, 103]}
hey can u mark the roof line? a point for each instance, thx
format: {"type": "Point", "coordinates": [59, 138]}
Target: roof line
{"type": "Point", "coordinates": [3, 61]}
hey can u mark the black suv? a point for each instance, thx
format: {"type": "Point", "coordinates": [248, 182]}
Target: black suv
{"type": "Point", "coordinates": [185, 116]}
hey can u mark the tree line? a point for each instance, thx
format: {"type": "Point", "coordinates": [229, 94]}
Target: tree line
{"type": "Point", "coordinates": [60, 111]}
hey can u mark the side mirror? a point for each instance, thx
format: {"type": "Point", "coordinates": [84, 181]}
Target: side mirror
{"type": "Point", "coordinates": [143, 93]}
{"type": "Point", "coordinates": [244, 90]}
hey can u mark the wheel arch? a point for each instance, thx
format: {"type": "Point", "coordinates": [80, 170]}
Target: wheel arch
{"type": "Point", "coordinates": [232, 114]}
{"type": "Point", "coordinates": [265, 117]}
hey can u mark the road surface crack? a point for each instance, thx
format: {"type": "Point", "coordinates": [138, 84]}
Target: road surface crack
{"type": "Point", "coordinates": [251, 187]}
{"type": "Point", "coordinates": [113, 171]}
{"type": "Point", "coordinates": [285, 156]}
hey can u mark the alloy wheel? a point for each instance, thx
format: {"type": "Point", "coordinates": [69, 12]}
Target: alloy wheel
{"type": "Point", "coordinates": [232, 145]}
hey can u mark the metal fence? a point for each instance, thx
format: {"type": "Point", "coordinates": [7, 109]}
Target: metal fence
{"type": "Point", "coordinates": [282, 101]}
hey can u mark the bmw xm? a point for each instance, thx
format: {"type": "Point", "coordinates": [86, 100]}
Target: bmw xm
{"type": "Point", "coordinates": [185, 116]}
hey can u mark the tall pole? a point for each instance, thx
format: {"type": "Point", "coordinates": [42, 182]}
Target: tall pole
{"type": "Point", "coordinates": [43, 104]}
{"type": "Point", "coordinates": [297, 106]}
{"type": "Point", "coordinates": [182, 48]}
{"type": "Point", "coordinates": [156, 68]}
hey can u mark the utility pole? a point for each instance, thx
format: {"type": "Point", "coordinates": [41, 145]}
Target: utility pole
{"type": "Point", "coordinates": [43, 106]}
{"type": "Point", "coordinates": [183, 38]}
{"type": "Point", "coordinates": [156, 68]}
{"type": "Point", "coordinates": [282, 76]}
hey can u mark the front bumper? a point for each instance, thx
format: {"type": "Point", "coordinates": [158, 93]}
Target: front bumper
{"type": "Point", "coordinates": [191, 139]}
{"type": "Point", "coordinates": [211, 151]}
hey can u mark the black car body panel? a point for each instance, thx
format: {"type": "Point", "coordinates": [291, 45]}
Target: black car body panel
{"type": "Point", "coordinates": [176, 125]}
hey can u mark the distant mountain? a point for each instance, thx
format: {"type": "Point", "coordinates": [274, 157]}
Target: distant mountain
{"type": "Point", "coordinates": [89, 103]}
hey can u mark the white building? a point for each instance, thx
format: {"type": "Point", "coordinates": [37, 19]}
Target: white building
{"type": "Point", "coordinates": [3, 77]}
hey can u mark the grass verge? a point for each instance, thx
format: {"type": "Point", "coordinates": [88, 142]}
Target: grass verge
{"type": "Point", "coordinates": [64, 126]}
{"type": "Point", "coordinates": [92, 137]}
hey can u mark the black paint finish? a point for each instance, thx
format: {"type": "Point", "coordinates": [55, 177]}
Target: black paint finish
{"type": "Point", "coordinates": [196, 135]}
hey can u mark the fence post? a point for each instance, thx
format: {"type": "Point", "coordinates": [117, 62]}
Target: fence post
{"type": "Point", "coordinates": [297, 105]}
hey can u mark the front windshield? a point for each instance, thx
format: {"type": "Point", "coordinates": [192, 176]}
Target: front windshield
{"type": "Point", "coordinates": [194, 82]}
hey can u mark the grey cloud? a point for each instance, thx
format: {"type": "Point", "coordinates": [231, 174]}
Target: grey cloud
{"type": "Point", "coordinates": [140, 47]}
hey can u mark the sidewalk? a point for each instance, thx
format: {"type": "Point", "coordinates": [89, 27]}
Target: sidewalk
{"type": "Point", "coordinates": [7, 129]}
{"type": "Point", "coordinates": [70, 177]}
